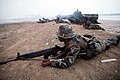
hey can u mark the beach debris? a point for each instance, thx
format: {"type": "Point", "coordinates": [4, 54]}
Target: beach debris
{"type": "Point", "coordinates": [47, 43]}
{"type": "Point", "coordinates": [27, 33]}
{"type": "Point", "coordinates": [108, 60]}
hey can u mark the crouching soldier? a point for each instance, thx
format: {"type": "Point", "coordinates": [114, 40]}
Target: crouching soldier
{"type": "Point", "coordinates": [86, 47]}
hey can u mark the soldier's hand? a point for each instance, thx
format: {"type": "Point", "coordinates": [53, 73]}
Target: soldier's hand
{"type": "Point", "coordinates": [45, 63]}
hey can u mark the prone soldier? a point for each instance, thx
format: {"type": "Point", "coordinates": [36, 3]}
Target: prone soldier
{"type": "Point", "coordinates": [77, 45]}
{"type": "Point", "coordinates": [89, 25]}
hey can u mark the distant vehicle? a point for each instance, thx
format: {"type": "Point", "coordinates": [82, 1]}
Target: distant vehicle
{"type": "Point", "coordinates": [91, 17]}
{"type": "Point", "coordinates": [78, 18]}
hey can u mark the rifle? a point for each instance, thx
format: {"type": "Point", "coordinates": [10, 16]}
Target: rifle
{"type": "Point", "coordinates": [28, 56]}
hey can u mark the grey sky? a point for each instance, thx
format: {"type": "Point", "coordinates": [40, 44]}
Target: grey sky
{"type": "Point", "coordinates": [49, 8]}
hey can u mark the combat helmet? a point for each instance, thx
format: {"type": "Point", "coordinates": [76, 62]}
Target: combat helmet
{"type": "Point", "coordinates": [65, 31]}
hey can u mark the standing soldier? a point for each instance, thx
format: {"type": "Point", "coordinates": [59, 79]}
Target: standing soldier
{"type": "Point", "coordinates": [76, 45]}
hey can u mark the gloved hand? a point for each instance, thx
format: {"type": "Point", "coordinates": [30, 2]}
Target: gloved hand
{"type": "Point", "coordinates": [45, 63]}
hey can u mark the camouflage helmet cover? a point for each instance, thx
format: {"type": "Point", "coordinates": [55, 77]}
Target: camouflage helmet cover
{"type": "Point", "coordinates": [65, 31]}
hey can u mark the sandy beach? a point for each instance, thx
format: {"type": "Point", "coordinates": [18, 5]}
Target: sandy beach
{"type": "Point", "coordinates": [32, 36]}
{"type": "Point", "coordinates": [111, 25]}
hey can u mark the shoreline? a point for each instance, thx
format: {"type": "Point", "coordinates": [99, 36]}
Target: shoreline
{"type": "Point", "coordinates": [109, 25]}
{"type": "Point", "coordinates": [16, 22]}
{"type": "Point", "coordinates": [11, 23]}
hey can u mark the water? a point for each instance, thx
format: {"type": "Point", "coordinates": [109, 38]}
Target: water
{"type": "Point", "coordinates": [110, 17]}
{"type": "Point", "coordinates": [111, 22]}
{"type": "Point", "coordinates": [17, 20]}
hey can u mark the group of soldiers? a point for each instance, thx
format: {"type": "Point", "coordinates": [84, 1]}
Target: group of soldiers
{"type": "Point", "coordinates": [78, 46]}
{"type": "Point", "coordinates": [87, 24]}
{"type": "Point", "coordinates": [89, 21]}
{"type": "Point", "coordinates": [44, 20]}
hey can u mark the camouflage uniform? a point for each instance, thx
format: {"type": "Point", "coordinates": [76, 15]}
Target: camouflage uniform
{"type": "Point", "coordinates": [89, 25]}
{"type": "Point", "coordinates": [79, 46]}
{"type": "Point", "coordinates": [95, 26]}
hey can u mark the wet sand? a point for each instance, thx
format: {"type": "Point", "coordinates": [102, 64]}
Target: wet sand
{"type": "Point", "coordinates": [111, 25]}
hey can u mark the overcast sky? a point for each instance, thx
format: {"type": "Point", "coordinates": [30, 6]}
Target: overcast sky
{"type": "Point", "coordinates": [49, 8]}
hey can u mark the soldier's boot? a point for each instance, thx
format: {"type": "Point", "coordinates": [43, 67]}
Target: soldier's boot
{"type": "Point", "coordinates": [118, 39]}
{"type": "Point", "coordinates": [103, 29]}
{"type": "Point", "coordinates": [115, 40]}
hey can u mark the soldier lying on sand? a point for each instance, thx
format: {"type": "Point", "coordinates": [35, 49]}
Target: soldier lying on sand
{"type": "Point", "coordinates": [58, 20]}
{"type": "Point", "coordinates": [89, 25]}
{"type": "Point", "coordinates": [79, 46]}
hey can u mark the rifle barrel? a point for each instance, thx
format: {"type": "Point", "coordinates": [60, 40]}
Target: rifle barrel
{"type": "Point", "coordinates": [40, 53]}
{"type": "Point", "coordinates": [4, 62]}
{"type": "Point", "coordinates": [31, 55]}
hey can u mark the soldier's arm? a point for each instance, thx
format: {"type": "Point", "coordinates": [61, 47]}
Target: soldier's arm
{"type": "Point", "coordinates": [68, 60]}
